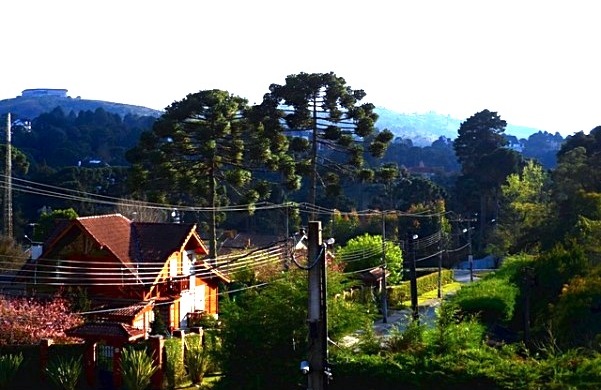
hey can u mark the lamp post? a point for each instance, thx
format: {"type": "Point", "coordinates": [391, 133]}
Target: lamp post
{"type": "Point", "coordinates": [411, 241]}
{"type": "Point", "coordinates": [470, 256]}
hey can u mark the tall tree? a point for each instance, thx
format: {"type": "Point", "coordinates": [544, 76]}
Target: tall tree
{"type": "Point", "coordinates": [478, 136]}
{"type": "Point", "coordinates": [480, 148]}
{"type": "Point", "coordinates": [323, 117]}
{"type": "Point", "coordinates": [576, 185]}
{"type": "Point", "coordinates": [525, 209]}
{"type": "Point", "coordinates": [203, 151]}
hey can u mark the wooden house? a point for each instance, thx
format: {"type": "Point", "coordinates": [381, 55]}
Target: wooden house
{"type": "Point", "coordinates": [119, 262]}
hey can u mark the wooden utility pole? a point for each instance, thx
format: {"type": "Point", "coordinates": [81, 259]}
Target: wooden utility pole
{"type": "Point", "coordinates": [316, 309]}
{"type": "Point", "coordinates": [8, 191]}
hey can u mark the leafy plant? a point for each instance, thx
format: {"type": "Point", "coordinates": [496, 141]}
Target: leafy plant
{"type": "Point", "coordinates": [453, 333]}
{"type": "Point", "coordinates": [137, 369]}
{"type": "Point", "coordinates": [198, 357]}
{"type": "Point", "coordinates": [369, 342]}
{"type": "Point", "coordinates": [409, 339]}
{"type": "Point", "coordinates": [9, 365]}
{"type": "Point", "coordinates": [175, 371]}
{"type": "Point", "coordinates": [158, 326]}
{"type": "Point", "coordinates": [65, 373]}
{"type": "Point", "coordinates": [492, 299]}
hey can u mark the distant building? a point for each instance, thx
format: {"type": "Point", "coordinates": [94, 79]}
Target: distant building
{"type": "Point", "coordinates": [37, 92]}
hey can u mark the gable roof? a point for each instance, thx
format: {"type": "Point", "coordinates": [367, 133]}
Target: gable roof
{"type": "Point", "coordinates": [154, 242]}
{"type": "Point", "coordinates": [112, 232]}
{"type": "Point", "coordinates": [132, 242]}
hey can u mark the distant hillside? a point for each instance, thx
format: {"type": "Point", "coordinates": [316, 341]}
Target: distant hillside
{"type": "Point", "coordinates": [30, 107]}
{"type": "Point", "coordinates": [424, 128]}
{"type": "Point", "coordinates": [421, 128]}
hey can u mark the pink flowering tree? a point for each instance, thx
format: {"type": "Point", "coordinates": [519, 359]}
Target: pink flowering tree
{"type": "Point", "coordinates": [28, 320]}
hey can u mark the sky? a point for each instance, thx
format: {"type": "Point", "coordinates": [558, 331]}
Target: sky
{"type": "Point", "coordinates": [535, 63]}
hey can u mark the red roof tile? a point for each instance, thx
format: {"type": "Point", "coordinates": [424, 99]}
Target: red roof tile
{"type": "Point", "coordinates": [105, 330]}
{"type": "Point", "coordinates": [110, 231]}
{"type": "Point", "coordinates": [154, 242]}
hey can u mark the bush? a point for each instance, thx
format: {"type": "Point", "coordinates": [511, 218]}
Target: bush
{"type": "Point", "coordinates": [577, 314]}
{"type": "Point", "coordinates": [198, 357]}
{"type": "Point", "coordinates": [175, 371]}
{"type": "Point", "coordinates": [65, 373]}
{"type": "Point", "coordinates": [453, 333]}
{"type": "Point", "coordinates": [137, 369]}
{"type": "Point", "coordinates": [492, 299]}
{"type": "Point", "coordinates": [9, 365]}
{"type": "Point", "coordinates": [409, 339]}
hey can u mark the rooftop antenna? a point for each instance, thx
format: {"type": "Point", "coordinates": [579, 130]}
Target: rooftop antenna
{"type": "Point", "coordinates": [8, 191]}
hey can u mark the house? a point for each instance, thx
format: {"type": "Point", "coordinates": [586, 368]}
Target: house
{"type": "Point", "coordinates": [127, 267]}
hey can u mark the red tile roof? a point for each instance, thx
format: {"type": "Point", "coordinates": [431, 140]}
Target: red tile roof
{"type": "Point", "coordinates": [131, 311]}
{"type": "Point", "coordinates": [112, 232]}
{"type": "Point", "coordinates": [154, 242]}
{"type": "Point", "coordinates": [105, 330]}
{"type": "Point", "coordinates": [134, 242]}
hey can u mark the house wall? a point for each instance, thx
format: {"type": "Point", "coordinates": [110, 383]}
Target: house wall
{"type": "Point", "coordinates": [211, 299]}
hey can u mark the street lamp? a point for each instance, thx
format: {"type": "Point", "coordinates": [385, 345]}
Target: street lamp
{"type": "Point", "coordinates": [470, 257]}
{"type": "Point", "coordinates": [413, 275]}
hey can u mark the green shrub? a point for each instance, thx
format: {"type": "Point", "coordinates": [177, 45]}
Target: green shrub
{"type": "Point", "coordinates": [369, 342]}
{"type": "Point", "coordinates": [577, 314]}
{"type": "Point", "coordinates": [206, 321]}
{"type": "Point", "coordinates": [175, 370]}
{"type": "Point", "coordinates": [198, 357]}
{"type": "Point", "coordinates": [409, 339]}
{"type": "Point", "coordinates": [65, 372]}
{"type": "Point", "coordinates": [491, 299]}
{"type": "Point", "coordinates": [359, 371]}
{"type": "Point", "coordinates": [453, 333]}
{"type": "Point", "coordinates": [9, 365]}
{"type": "Point", "coordinates": [573, 369]}
{"type": "Point", "coordinates": [137, 369]}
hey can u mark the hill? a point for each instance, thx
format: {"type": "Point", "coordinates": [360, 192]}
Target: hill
{"type": "Point", "coordinates": [424, 128]}
{"type": "Point", "coordinates": [30, 106]}
{"type": "Point", "coordinates": [421, 128]}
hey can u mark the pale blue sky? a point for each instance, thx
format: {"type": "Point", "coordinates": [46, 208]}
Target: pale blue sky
{"type": "Point", "coordinates": [537, 63]}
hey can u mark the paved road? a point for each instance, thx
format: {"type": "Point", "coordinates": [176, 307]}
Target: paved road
{"type": "Point", "coordinates": [427, 310]}
{"type": "Point", "coordinates": [401, 318]}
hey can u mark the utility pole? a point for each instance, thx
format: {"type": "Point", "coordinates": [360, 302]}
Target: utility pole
{"type": "Point", "coordinates": [316, 309]}
{"type": "Point", "coordinates": [384, 269]}
{"type": "Point", "coordinates": [470, 256]}
{"type": "Point", "coordinates": [8, 190]}
{"type": "Point", "coordinates": [412, 243]}
{"type": "Point", "coordinates": [440, 258]}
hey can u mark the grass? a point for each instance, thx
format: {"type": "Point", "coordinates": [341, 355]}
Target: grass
{"type": "Point", "coordinates": [207, 383]}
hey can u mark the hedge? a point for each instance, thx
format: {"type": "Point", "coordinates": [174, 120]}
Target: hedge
{"type": "Point", "coordinates": [402, 293]}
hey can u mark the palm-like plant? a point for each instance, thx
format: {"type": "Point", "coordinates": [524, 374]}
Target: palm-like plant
{"type": "Point", "coordinates": [197, 359]}
{"type": "Point", "coordinates": [9, 365]}
{"type": "Point", "coordinates": [137, 369]}
{"type": "Point", "coordinates": [65, 373]}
